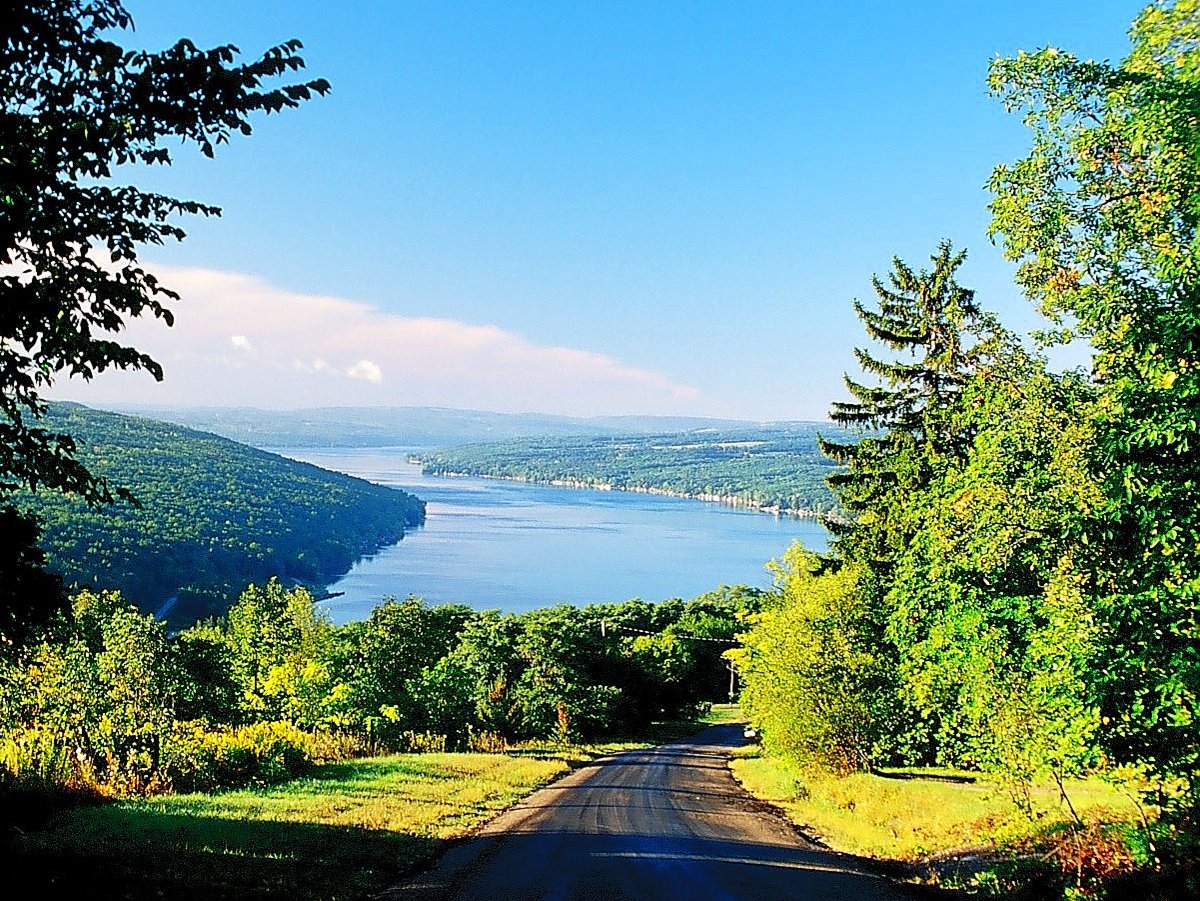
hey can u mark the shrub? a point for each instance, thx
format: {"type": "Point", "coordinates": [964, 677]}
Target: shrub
{"type": "Point", "coordinates": [810, 676]}
{"type": "Point", "coordinates": [89, 707]}
{"type": "Point", "coordinates": [486, 742]}
{"type": "Point", "coordinates": [200, 759]}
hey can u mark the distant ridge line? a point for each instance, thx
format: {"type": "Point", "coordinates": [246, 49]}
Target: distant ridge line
{"type": "Point", "coordinates": [417, 426]}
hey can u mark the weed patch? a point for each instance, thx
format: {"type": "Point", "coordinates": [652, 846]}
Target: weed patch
{"type": "Point", "coordinates": [913, 814]}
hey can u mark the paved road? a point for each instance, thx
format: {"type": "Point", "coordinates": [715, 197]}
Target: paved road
{"type": "Point", "coordinates": [669, 822]}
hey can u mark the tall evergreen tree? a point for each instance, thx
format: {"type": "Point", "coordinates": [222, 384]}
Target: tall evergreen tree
{"type": "Point", "coordinates": [926, 319]}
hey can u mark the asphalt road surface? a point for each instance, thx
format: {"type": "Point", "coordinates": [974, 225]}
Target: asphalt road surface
{"type": "Point", "coordinates": [665, 823]}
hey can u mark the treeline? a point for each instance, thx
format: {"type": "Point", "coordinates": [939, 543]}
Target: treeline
{"type": "Point", "coordinates": [210, 517]}
{"type": "Point", "coordinates": [1018, 585]}
{"type": "Point", "coordinates": [107, 701]}
{"type": "Point", "coordinates": [777, 468]}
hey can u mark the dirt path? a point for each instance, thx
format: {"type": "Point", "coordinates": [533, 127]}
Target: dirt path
{"type": "Point", "coordinates": [666, 823]}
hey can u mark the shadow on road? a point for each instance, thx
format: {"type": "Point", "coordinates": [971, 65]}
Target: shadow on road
{"type": "Point", "coordinates": [663, 823]}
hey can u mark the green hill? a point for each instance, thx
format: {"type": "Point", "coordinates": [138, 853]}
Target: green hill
{"type": "Point", "coordinates": [773, 467]}
{"type": "Point", "coordinates": [214, 516]}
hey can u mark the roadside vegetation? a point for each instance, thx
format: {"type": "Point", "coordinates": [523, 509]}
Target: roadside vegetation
{"type": "Point", "coordinates": [346, 831]}
{"type": "Point", "coordinates": [255, 756]}
{"type": "Point", "coordinates": [956, 828]}
{"type": "Point", "coordinates": [107, 703]}
{"type": "Point", "coordinates": [1014, 591]}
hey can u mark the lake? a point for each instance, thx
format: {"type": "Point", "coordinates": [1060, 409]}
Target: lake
{"type": "Point", "coordinates": [514, 546]}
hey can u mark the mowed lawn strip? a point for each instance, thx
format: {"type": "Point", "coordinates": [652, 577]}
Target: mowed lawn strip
{"type": "Point", "coordinates": [345, 832]}
{"type": "Point", "coordinates": [911, 814]}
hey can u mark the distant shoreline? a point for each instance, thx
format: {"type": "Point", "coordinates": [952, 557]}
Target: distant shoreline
{"type": "Point", "coordinates": [729, 500]}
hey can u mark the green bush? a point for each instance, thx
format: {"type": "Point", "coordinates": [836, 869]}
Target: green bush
{"type": "Point", "coordinates": [200, 759]}
{"type": "Point", "coordinates": [90, 705]}
{"type": "Point", "coordinates": [812, 679]}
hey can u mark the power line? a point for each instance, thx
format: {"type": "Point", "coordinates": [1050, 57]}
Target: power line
{"type": "Point", "coordinates": [604, 627]}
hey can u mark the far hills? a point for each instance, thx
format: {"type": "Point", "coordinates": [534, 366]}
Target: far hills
{"type": "Point", "coordinates": [775, 466]}
{"type": "Point", "coordinates": [215, 515]}
{"type": "Point", "coordinates": [417, 426]}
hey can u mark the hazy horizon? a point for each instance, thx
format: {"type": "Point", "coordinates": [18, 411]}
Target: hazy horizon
{"type": "Point", "coordinates": [119, 406]}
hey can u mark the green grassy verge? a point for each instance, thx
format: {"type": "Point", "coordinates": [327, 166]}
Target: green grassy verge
{"type": "Point", "coordinates": [723, 714]}
{"type": "Point", "coordinates": [344, 833]}
{"type": "Point", "coordinates": [914, 813]}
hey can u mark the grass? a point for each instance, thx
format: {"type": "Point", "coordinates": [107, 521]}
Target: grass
{"type": "Point", "coordinates": [346, 832]}
{"type": "Point", "coordinates": [342, 834]}
{"type": "Point", "coordinates": [723, 714]}
{"type": "Point", "coordinates": [909, 814]}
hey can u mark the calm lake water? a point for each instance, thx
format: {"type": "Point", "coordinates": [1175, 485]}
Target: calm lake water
{"type": "Point", "coordinates": [512, 546]}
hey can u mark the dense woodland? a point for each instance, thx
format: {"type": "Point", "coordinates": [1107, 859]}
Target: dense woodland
{"type": "Point", "coordinates": [208, 516]}
{"type": "Point", "coordinates": [778, 468]}
{"type": "Point", "coordinates": [1018, 585]}
{"type": "Point", "coordinates": [107, 701]}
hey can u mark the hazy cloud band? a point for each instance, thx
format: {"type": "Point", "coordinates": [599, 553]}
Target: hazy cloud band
{"type": "Point", "coordinates": [241, 341]}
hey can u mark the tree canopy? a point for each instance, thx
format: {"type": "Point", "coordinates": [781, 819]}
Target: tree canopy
{"type": "Point", "coordinates": [1101, 217]}
{"type": "Point", "coordinates": [74, 106]}
{"type": "Point", "coordinates": [1023, 563]}
{"type": "Point", "coordinates": [77, 109]}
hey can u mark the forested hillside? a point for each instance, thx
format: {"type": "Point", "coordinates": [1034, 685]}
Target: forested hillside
{"type": "Point", "coordinates": [770, 467]}
{"type": "Point", "coordinates": [213, 516]}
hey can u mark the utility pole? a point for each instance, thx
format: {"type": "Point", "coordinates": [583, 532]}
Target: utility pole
{"type": "Point", "coordinates": [732, 682]}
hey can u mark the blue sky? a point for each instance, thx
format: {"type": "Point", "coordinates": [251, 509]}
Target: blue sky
{"type": "Point", "coordinates": [586, 207]}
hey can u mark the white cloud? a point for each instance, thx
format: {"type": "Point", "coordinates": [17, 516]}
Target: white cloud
{"type": "Point", "coordinates": [311, 350]}
{"type": "Point", "coordinates": [366, 371]}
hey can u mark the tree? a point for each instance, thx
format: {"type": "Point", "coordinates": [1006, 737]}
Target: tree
{"type": "Point", "coordinates": [925, 313]}
{"type": "Point", "coordinates": [74, 106]}
{"type": "Point", "coordinates": [987, 609]}
{"type": "Point", "coordinates": [29, 595]}
{"type": "Point", "coordinates": [561, 692]}
{"type": "Point", "coordinates": [399, 641]}
{"type": "Point", "coordinates": [277, 640]}
{"type": "Point", "coordinates": [207, 687]}
{"type": "Point", "coordinates": [926, 317]}
{"type": "Point", "coordinates": [92, 704]}
{"type": "Point", "coordinates": [1101, 217]}
{"type": "Point", "coordinates": [812, 676]}
{"type": "Point", "coordinates": [487, 653]}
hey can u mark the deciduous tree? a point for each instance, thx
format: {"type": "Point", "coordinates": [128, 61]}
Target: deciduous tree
{"type": "Point", "coordinates": [1102, 218]}
{"type": "Point", "coordinates": [77, 111]}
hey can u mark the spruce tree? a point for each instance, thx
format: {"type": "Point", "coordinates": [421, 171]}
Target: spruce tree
{"type": "Point", "coordinates": [926, 319]}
